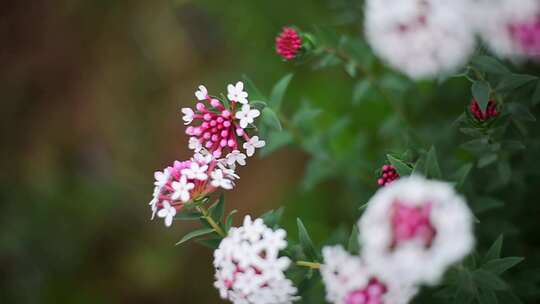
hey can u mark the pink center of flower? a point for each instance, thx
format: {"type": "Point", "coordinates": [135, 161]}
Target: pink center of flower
{"type": "Point", "coordinates": [388, 175]}
{"type": "Point", "coordinates": [491, 110]}
{"type": "Point", "coordinates": [371, 294]}
{"type": "Point", "coordinates": [217, 128]}
{"type": "Point", "coordinates": [412, 223]}
{"type": "Point", "coordinates": [527, 36]}
{"type": "Point", "coordinates": [288, 43]}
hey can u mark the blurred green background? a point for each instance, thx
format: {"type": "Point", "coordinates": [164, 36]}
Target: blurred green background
{"type": "Point", "coordinates": [90, 94]}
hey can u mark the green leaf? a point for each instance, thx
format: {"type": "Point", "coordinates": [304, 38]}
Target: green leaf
{"type": "Point", "coordinates": [461, 174]}
{"type": "Point", "coordinates": [508, 297]}
{"type": "Point", "coordinates": [269, 118]}
{"type": "Point", "coordinates": [360, 91]}
{"type": "Point", "coordinates": [489, 65]}
{"type": "Point", "coordinates": [432, 164]}
{"type": "Point", "coordinates": [276, 96]}
{"type": "Point", "coordinates": [350, 68]}
{"type": "Point", "coordinates": [487, 160]}
{"type": "Point", "coordinates": [188, 216]}
{"type": "Point", "coordinates": [486, 296]}
{"type": "Point", "coordinates": [536, 95]}
{"type": "Point", "coordinates": [273, 217]}
{"type": "Point", "coordinates": [353, 245]}
{"type": "Point", "coordinates": [275, 141]}
{"type": "Point", "coordinates": [212, 243]}
{"type": "Point", "coordinates": [305, 241]}
{"type": "Point", "coordinates": [494, 251]}
{"type": "Point", "coordinates": [194, 234]}
{"type": "Point", "coordinates": [229, 220]}
{"type": "Point", "coordinates": [217, 210]}
{"type": "Point", "coordinates": [466, 288]}
{"type": "Point", "coordinates": [480, 91]}
{"type": "Point", "coordinates": [253, 91]}
{"type": "Point", "coordinates": [487, 203]}
{"type": "Point", "coordinates": [401, 167]}
{"type": "Point", "coordinates": [520, 112]}
{"type": "Point", "coordinates": [488, 280]}
{"type": "Point", "coordinates": [499, 266]}
{"type": "Point", "coordinates": [514, 81]}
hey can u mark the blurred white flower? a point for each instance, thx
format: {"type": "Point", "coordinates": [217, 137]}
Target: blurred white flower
{"type": "Point", "coordinates": [253, 143]}
{"type": "Point", "coordinates": [196, 171]}
{"type": "Point", "coordinates": [236, 157]}
{"type": "Point", "coordinates": [167, 212]}
{"type": "Point", "coordinates": [236, 93]}
{"type": "Point", "coordinates": [220, 180]}
{"type": "Point", "coordinates": [201, 93]}
{"type": "Point", "coordinates": [248, 267]}
{"type": "Point", "coordinates": [188, 115]}
{"type": "Point", "coordinates": [421, 38]}
{"type": "Point", "coordinates": [414, 229]}
{"type": "Point", "coordinates": [247, 115]}
{"type": "Point", "coordinates": [181, 189]}
{"type": "Point", "coordinates": [194, 144]}
{"type": "Point", "coordinates": [162, 177]}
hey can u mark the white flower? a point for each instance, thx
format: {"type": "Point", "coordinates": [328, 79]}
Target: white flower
{"type": "Point", "coordinates": [348, 279]}
{"type": "Point", "coordinates": [196, 171]}
{"type": "Point", "coordinates": [248, 268]}
{"type": "Point", "coordinates": [154, 201]}
{"type": "Point", "coordinates": [167, 212]}
{"type": "Point", "coordinates": [188, 115]}
{"type": "Point", "coordinates": [414, 229]}
{"type": "Point", "coordinates": [228, 170]}
{"type": "Point", "coordinates": [202, 93]}
{"type": "Point", "coordinates": [219, 180]}
{"type": "Point", "coordinates": [494, 20]}
{"type": "Point", "coordinates": [181, 189]}
{"type": "Point", "coordinates": [420, 38]}
{"type": "Point", "coordinates": [202, 157]}
{"type": "Point", "coordinates": [236, 157]}
{"type": "Point", "coordinates": [236, 93]}
{"type": "Point", "coordinates": [253, 143]}
{"type": "Point", "coordinates": [162, 178]}
{"type": "Point", "coordinates": [194, 144]}
{"type": "Point", "coordinates": [247, 115]}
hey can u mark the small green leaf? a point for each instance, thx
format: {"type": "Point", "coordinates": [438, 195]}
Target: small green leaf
{"type": "Point", "coordinates": [466, 288]}
{"type": "Point", "coordinates": [520, 112]}
{"type": "Point", "coordinates": [487, 160]}
{"type": "Point", "coordinates": [270, 119]}
{"type": "Point", "coordinates": [487, 203]}
{"type": "Point", "coordinates": [360, 91]}
{"type": "Point", "coordinates": [494, 251]}
{"type": "Point", "coordinates": [188, 216]}
{"type": "Point", "coordinates": [229, 220]}
{"type": "Point", "coordinates": [432, 164]}
{"type": "Point", "coordinates": [489, 65]}
{"type": "Point", "coordinates": [480, 91]}
{"type": "Point", "coordinates": [217, 210]}
{"type": "Point", "coordinates": [306, 242]}
{"type": "Point", "coordinates": [499, 266]}
{"type": "Point", "coordinates": [253, 91]}
{"type": "Point", "coordinates": [276, 140]}
{"type": "Point", "coordinates": [194, 234]}
{"type": "Point", "coordinates": [212, 243]}
{"type": "Point", "coordinates": [514, 81]}
{"type": "Point", "coordinates": [486, 296]}
{"type": "Point", "coordinates": [353, 245]}
{"type": "Point", "coordinates": [488, 280]}
{"type": "Point", "coordinates": [276, 96]}
{"type": "Point", "coordinates": [401, 167]}
{"type": "Point", "coordinates": [536, 95]}
{"type": "Point", "coordinates": [273, 217]}
{"type": "Point", "coordinates": [461, 174]}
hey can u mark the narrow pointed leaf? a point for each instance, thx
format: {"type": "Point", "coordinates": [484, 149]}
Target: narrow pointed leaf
{"type": "Point", "coordinates": [276, 96]}
{"type": "Point", "coordinates": [499, 266]}
{"type": "Point", "coordinates": [306, 242]}
{"type": "Point", "coordinates": [194, 234]}
{"type": "Point", "coordinates": [401, 167]}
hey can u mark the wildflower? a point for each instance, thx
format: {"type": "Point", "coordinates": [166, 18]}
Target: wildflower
{"type": "Point", "coordinates": [220, 129]}
{"type": "Point", "coordinates": [288, 43]}
{"type": "Point", "coordinates": [388, 175]}
{"type": "Point", "coordinates": [491, 110]}
{"type": "Point", "coordinates": [414, 229]}
{"type": "Point", "coordinates": [188, 115]}
{"type": "Point", "coordinates": [249, 269]}
{"type": "Point", "coordinates": [432, 35]}
{"type": "Point", "coordinates": [236, 93]}
{"type": "Point", "coordinates": [202, 93]}
{"type": "Point", "coordinates": [253, 143]}
{"type": "Point", "coordinates": [236, 157]}
{"type": "Point", "coordinates": [348, 280]}
{"type": "Point", "coordinates": [187, 181]}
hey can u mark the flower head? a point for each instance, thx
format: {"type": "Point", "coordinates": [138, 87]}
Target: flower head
{"type": "Point", "coordinates": [432, 36]}
{"type": "Point", "coordinates": [348, 280]}
{"type": "Point", "coordinates": [388, 175]}
{"type": "Point", "coordinates": [491, 110]}
{"type": "Point", "coordinates": [217, 128]}
{"type": "Point", "coordinates": [249, 269]}
{"type": "Point", "coordinates": [187, 181]}
{"type": "Point", "coordinates": [252, 144]}
{"type": "Point", "coordinates": [414, 229]}
{"type": "Point", "coordinates": [288, 43]}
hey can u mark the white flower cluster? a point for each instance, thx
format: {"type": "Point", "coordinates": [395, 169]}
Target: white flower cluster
{"type": "Point", "coordinates": [427, 38]}
{"type": "Point", "coordinates": [248, 267]}
{"type": "Point", "coordinates": [412, 231]}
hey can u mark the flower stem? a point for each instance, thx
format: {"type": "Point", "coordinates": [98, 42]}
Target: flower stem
{"type": "Point", "coordinates": [211, 221]}
{"type": "Point", "coordinates": [307, 264]}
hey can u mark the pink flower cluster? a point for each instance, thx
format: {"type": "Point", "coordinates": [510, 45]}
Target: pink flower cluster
{"type": "Point", "coordinates": [491, 110]}
{"type": "Point", "coordinates": [288, 43]}
{"type": "Point", "coordinates": [371, 294]}
{"type": "Point", "coordinates": [388, 175]}
{"type": "Point", "coordinates": [527, 36]}
{"type": "Point", "coordinates": [410, 223]}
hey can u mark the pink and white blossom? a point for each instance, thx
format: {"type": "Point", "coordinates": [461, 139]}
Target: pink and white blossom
{"type": "Point", "coordinates": [167, 212]}
{"type": "Point", "coordinates": [236, 93]}
{"type": "Point", "coordinates": [252, 144]}
{"type": "Point", "coordinates": [247, 115]}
